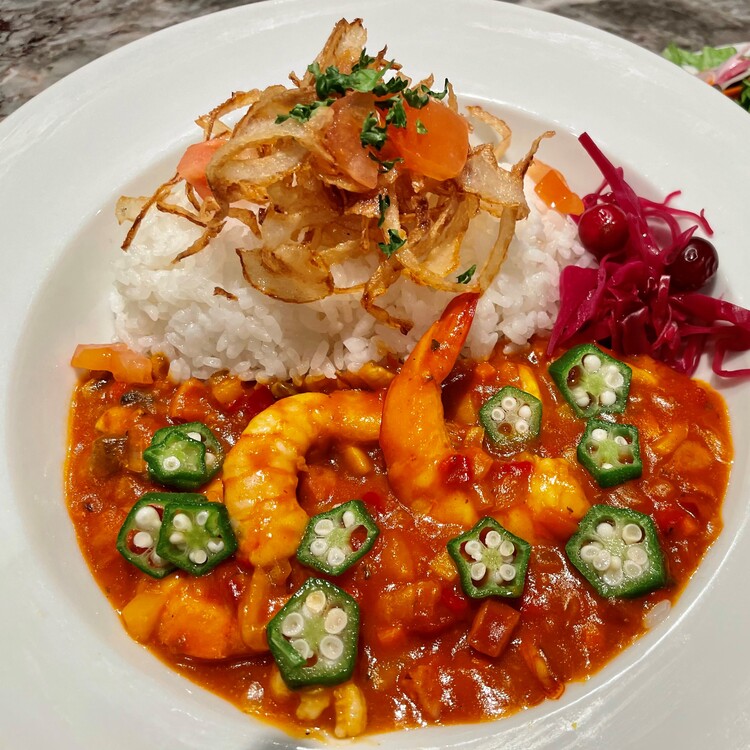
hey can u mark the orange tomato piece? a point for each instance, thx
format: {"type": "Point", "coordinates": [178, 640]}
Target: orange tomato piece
{"type": "Point", "coordinates": [192, 166]}
{"type": "Point", "coordinates": [441, 151]}
{"type": "Point", "coordinates": [552, 188]}
{"type": "Point", "coordinates": [125, 365]}
{"type": "Point", "coordinates": [342, 138]}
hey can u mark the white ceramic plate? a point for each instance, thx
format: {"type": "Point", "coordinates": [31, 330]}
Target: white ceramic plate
{"type": "Point", "coordinates": [71, 678]}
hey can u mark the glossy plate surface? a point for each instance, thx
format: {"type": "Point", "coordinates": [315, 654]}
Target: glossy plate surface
{"type": "Point", "coordinates": [72, 678]}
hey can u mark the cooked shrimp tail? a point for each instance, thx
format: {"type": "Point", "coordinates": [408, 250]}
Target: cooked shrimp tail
{"type": "Point", "coordinates": [413, 436]}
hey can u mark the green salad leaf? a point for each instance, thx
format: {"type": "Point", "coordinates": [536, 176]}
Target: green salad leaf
{"type": "Point", "coordinates": [707, 58]}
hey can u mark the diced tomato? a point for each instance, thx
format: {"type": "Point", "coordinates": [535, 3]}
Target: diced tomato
{"type": "Point", "coordinates": [557, 523]}
{"type": "Point", "coordinates": [492, 629]}
{"type": "Point", "coordinates": [374, 501]}
{"type": "Point", "coordinates": [342, 138]}
{"type": "Point", "coordinates": [125, 365]}
{"type": "Point", "coordinates": [456, 471]}
{"type": "Point", "coordinates": [674, 519]}
{"type": "Point", "coordinates": [454, 600]}
{"type": "Point", "coordinates": [441, 151]}
{"type": "Point", "coordinates": [252, 401]}
{"type": "Point", "coordinates": [552, 188]}
{"type": "Point", "coordinates": [193, 164]}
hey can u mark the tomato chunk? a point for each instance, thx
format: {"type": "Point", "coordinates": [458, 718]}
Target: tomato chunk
{"type": "Point", "coordinates": [125, 365]}
{"type": "Point", "coordinates": [342, 139]}
{"type": "Point", "coordinates": [441, 151]}
{"type": "Point", "coordinates": [493, 627]}
{"type": "Point", "coordinates": [194, 162]}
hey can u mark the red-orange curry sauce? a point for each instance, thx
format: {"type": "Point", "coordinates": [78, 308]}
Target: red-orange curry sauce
{"type": "Point", "coordinates": [416, 664]}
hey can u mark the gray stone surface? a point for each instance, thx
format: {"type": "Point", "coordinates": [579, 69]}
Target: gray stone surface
{"type": "Point", "coordinates": [42, 41]}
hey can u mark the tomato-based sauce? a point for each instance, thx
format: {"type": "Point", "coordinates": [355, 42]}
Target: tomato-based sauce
{"type": "Point", "coordinates": [416, 664]}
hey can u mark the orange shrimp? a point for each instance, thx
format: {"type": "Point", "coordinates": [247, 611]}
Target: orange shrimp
{"type": "Point", "coordinates": [260, 472]}
{"type": "Point", "coordinates": [413, 437]}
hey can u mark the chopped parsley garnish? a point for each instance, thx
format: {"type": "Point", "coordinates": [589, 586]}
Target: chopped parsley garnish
{"type": "Point", "coordinates": [362, 78]}
{"type": "Point", "coordinates": [395, 242]}
{"type": "Point", "coordinates": [465, 277]}
{"type": "Point", "coordinates": [372, 133]}
{"type": "Point", "coordinates": [420, 95]}
{"type": "Point", "coordinates": [384, 201]}
{"type": "Point", "coordinates": [421, 129]}
{"type": "Point", "coordinates": [303, 112]}
{"type": "Point", "coordinates": [386, 165]}
{"type": "Point", "coordinates": [396, 115]}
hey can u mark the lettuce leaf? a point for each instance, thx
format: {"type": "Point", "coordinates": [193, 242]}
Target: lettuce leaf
{"type": "Point", "coordinates": [707, 58]}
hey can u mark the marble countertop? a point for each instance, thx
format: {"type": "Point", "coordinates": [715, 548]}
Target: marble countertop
{"type": "Point", "coordinates": [42, 41]}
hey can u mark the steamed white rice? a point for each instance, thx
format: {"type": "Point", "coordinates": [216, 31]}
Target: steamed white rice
{"type": "Point", "coordinates": [172, 309]}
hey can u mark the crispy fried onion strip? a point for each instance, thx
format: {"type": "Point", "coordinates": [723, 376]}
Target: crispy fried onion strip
{"type": "Point", "coordinates": [308, 215]}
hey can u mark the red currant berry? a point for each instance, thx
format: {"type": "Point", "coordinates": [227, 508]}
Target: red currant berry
{"type": "Point", "coordinates": [603, 229]}
{"type": "Point", "coordinates": [694, 266]}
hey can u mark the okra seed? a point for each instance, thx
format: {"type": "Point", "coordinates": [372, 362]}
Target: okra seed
{"type": "Point", "coordinates": [507, 548]}
{"type": "Point", "coordinates": [478, 569]}
{"type": "Point", "coordinates": [602, 560]}
{"type": "Point", "coordinates": [493, 539]}
{"type": "Point", "coordinates": [215, 545]}
{"type": "Point", "coordinates": [315, 602]}
{"type": "Point", "coordinates": [474, 549]}
{"type": "Point", "coordinates": [335, 621]}
{"type": "Point", "coordinates": [614, 378]}
{"type": "Point", "coordinates": [324, 527]}
{"type": "Point", "coordinates": [198, 556]}
{"type": "Point", "coordinates": [592, 362]}
{"type": "Point", "coordinates": [497, 414]}
{"type": "Point", "coordinates": [195, 436]}
{"type": "Point", "coordinates": [507, 572]}
{"type": "Point", "coordinates": [210, 460]}
{"type": "Point", "coordinates": [335, 556]}
{"type": "Point", "coordinates": [508, 403]}
{"type": "Point", "coordinates": [615, 563]}
{"type": "Point", "coordinates": [589, 552]}
{"type": "Point", "coordinates": [143, 539]}
{"type": "Point", "coordinates": [631, 569]}
{"type": "Point", "coordinates": [598, 434]}
{"type": "Point", "coordinates": [620, 440]}
{"type": "Point", "coordinates": [605, 530]}
{"type": "Point", "coordinates": [181, 522]}
{"type": "Point", "coordinates": [582, 398]}
{"type": "Point", "coordinates": [147, 518]}
{"type": "Point", "coordinates": [293, 624]}
{"type": "Point", "coordinates": [606, 466]}
{"type": "Point", "coordinates": [171, 463]}
{"type": "Point", "coordinates": [177, 538]}
{"type": "Point", "coordinates": [349, 519]}
{"type": "Point", "coordinates": [608, 398]}
{"type": "Point", "coordinates": [632, 533]}
{"type": "Point", "coordinates": [522, 427]}
{"type": "Point", "coordinates": [156, 559]}
{"type": "Point", "coordinates": [302, 647]}
{"type": "Point", "coordinates": [202, 518]}
{"type": "Point", "coordinates": [638, 555]}
{"type": "Point", "coordinates": [525, 412]}
{"type": "Point", "coordinates": [332, 647]}
{"type": "Point", "coordinates": [318, 547]}
{"type": "Point", "coordinates": [612, 577]}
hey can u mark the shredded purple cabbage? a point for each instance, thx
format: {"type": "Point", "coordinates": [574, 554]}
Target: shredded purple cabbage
{"type": "Point", "coordinates": [627, 301]}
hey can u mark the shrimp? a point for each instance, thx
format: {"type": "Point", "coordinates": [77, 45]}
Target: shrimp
{"type": "Point", "coordinates": [260, 472]}
{"type": "Point", "coordinates": [413, 436]}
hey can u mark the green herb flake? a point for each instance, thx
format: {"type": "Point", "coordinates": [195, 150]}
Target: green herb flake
{"type": "Point", "coordinates": [384, 201]}
{"type": "Point", "coordinates": [395, 242]}
{"type": "Point", "coordinates": [420, 95]}
{"type": "Point", "coordinates": [386, 165]}
{"type": "Point", "coordinates": [465, 277]}
{"type": "Point", "coordinates": [421, 129]}
{"type": "Point", "coordinates": [396, 115]}
{"type": "Point", "coordinates": [303, 112]}
{"type": "Point", "coordinates": [372, 134]}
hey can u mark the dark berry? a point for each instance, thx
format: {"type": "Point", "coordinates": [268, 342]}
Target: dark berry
{"type": "Point", "coordinates": [694, 266]}
{"type": "Point", "coordinates": [603, 229]}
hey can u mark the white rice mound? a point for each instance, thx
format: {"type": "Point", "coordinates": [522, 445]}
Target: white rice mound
{"type": "Point", "coordinates": [172, 309]}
